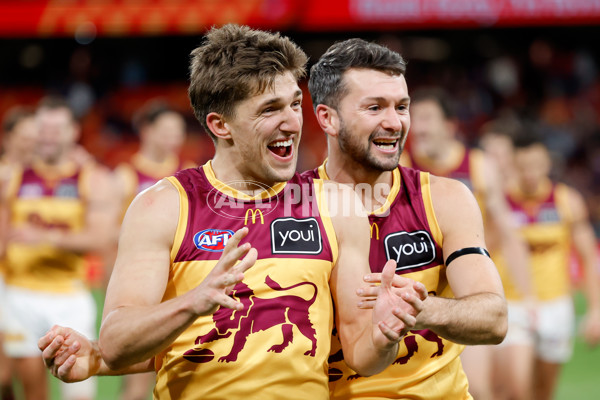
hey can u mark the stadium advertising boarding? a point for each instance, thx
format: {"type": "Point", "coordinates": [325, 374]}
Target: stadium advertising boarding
{"type": "Point", "coordinates": [85, 18]}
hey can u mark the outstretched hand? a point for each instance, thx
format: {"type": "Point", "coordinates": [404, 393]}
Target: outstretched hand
{"type": "Point", "coordinates": [400, 285]}
{"type": "Point", "coordinates": [70, 356]}
{"type": "Point", "coordinates": [395, 311]}
{"type": "Point", "coordinates": [214, 290]}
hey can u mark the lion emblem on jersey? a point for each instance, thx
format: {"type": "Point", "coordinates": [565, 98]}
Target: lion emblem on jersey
{"type": "Point", "coordinates": [260, 314]}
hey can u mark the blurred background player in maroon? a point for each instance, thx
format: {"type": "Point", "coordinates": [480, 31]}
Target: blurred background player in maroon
{"type": "Point", "coordinates": [19, 138]}
{"type": "Point", "coordinates": [553, 219]}
{"type": "Point", "coordinates": [436, 148]}
{"type": "Point", "coordinates": [162, 132]}
{"type": "Point", "coordinates": [56, 210]}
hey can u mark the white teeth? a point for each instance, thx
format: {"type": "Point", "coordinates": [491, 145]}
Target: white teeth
{"type": "Point", "coordinates": [288, 142]}
{"type": "Point", "coordinates": [386, 146]}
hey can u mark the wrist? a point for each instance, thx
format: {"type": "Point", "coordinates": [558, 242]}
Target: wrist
{"type": "Point", "coordinates": [52, 237]}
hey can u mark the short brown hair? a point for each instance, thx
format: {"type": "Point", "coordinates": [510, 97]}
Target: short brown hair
{"type": "Point", "coordinates": [326, 84]}
{"type": "Point", "coordinates": [235, 62]}
{"type": "Point", "coordinates": [53, 102]}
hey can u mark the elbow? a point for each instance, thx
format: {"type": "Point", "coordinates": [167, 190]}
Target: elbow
{"type": "Point", "coordinates": [111, 357]}
{"type": "Point", "coordinates": [111, 353]}
{"type": "Point", "coordinates": [500, 325]}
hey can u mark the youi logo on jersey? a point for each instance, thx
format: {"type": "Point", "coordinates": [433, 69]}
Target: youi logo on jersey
{"type": "Point", "coordinates": [213, 240]}
{"type": "Point", "coordinates": [409, 249]}
{"type": "Point", "coordinates": [295, 236]}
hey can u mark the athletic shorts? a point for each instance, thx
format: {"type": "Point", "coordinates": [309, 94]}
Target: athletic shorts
{"type": "Point", "coordinates": [30, 314]}
{"type": "Point", "coordinates": [551, 333]}
{"type": "Point", "coordinates": [2, 303]}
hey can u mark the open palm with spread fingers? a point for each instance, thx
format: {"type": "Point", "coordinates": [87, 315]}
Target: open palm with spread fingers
{"type": "Point", "coordinates": [215, 288]}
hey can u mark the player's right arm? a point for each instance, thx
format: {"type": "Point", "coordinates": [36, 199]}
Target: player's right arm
{"type": "Point", "coordinates": [72, 357]}
{"type": "Point", "coordinates": [136, 323]}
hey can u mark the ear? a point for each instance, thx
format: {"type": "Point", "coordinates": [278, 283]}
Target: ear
{"type": "Point", "coordinates": [218, 126]}
{"type": "Point", "coordinates": [328, 119]}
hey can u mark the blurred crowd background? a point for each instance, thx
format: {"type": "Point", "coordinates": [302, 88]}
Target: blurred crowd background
{"type": "Point", "coordinates": [529, 59]}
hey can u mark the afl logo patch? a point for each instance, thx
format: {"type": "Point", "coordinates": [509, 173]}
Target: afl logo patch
{"type": "Point", "coordinates": [213, 240]}
{"type": "Point", "coordinates": [409, 249]}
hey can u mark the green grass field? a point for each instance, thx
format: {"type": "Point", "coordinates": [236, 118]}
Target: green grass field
{"type": "Point", "coordinates": [580, 378]}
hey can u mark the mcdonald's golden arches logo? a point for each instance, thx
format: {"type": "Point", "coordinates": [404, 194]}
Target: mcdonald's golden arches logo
{"type": "Point", "coordinates": [375, 227]}
{"type": "Point", "coordinates": [254, 213]}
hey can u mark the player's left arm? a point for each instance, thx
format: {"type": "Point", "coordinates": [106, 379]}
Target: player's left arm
{"type": "Point", "coordinates": [369, 337]}
{"type": "Point", "coordinates": [477, 314]}
{"type": "Point", "coordinates": [513, 248]}
{"type": "Point", "coordinates": [585, 245]}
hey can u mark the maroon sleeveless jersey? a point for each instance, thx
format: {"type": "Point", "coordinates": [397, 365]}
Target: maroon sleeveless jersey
{"type": "Point", "coordinates": [277, 346]}
{"type": "Point", "coordinates": [427, 366]}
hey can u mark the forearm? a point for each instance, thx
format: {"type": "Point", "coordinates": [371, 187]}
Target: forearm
{"type": "Point", "coordinates": [100, 368]}
{"type": "Point", "coordinates": [367, 358]}
{"type": "Point", "coordinates": [144, 366]}
{"type": "Point", "coordinates": [471, 320]}
{"type": "Point", "coordinates": [591, 286]}
{"type": "Point", "coordinates": [132, 334]}
{"type": "Point", "coordinates": [80, 242]}
{"type": "Point", "coordinates": [516, 255]}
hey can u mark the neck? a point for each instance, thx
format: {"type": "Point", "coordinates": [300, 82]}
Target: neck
{"type": "Point", "coordinates": [344, 170]}
{"type": "Point", "coordinates": [442, 154]}
{"type": "Point", "coordinates": [227, 171]}
{"type": "Point", "coordinates": [153, 154]}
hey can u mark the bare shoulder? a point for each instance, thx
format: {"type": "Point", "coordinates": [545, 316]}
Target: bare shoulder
{"type": "Point", "coordinates": [576, 203]}
{"type": "Point", "coordinates": [161, 198]}
{"type": "Point", "coordinates": [454, 205]}
{"type": "Point", "coordinates": [447, 191]}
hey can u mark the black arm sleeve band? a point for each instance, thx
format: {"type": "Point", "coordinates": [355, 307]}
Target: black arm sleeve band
{"type": "Point", "coordinates": [464, 252]}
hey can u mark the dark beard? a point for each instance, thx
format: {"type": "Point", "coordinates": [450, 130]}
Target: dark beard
{"type": "Point", "coordinates": [361, 154]}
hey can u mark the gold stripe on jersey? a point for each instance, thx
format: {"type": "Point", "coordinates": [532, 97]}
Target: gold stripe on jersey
{"type": "Point", "coordinates": [428, 204]}
{"type": "Point", "coordinates": [396, 182]}
{"type": "Point", "coordinates": [85, 181]}
{"type": "Point", "coordinates": [127, 172]}
{"type": "Point", "coordinates": [326, 218]}
{"type": "Point", "coordinates": [224, 188]}
{"type": "Point", "coordinates": [183, 216]}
